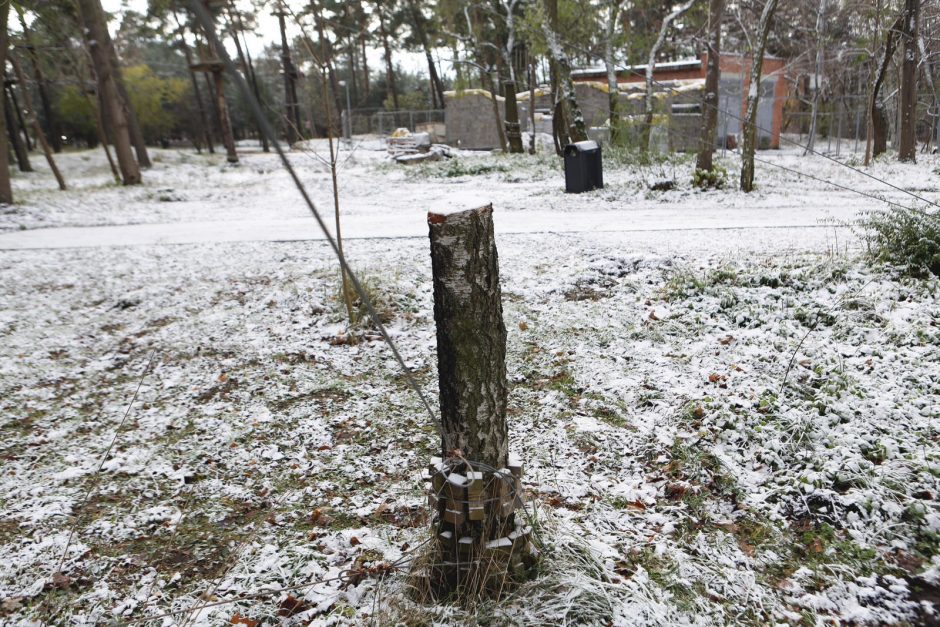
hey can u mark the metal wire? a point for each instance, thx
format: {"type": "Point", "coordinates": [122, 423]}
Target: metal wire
{"type": "Point", "coordinates": [795, 143]}
{"type": "Point", "coordinates": [205, 20]}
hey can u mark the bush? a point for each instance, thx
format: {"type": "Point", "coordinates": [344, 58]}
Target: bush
{"type": "Point", "coordinates": [906, 238]}
{"type": "Point", "coordinates": [716, 178]}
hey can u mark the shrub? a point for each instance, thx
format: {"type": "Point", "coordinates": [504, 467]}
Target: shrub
{"type": "Point", "coordinates": [906, 238]}
{"type": "Point", "coordinates": [716, 178]}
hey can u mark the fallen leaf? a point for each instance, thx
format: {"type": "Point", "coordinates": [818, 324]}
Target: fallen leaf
{"type": "Point", "coordinates": [523, 326]}
{"type": "Point", "coordinates": [354, 541]}
{"type": "Point", "coordinates": [291, 606]}
{"type": "Point", "coordinates": [223, 377]}
{"type": "Point", "coordinates": [726, 340]}
{"type": "Point", "coordinates": [60, 581]}
{"type": "Point", "coordinates": [714, 378]}
{"type": "Point", "coordinates": [653, 316]}
{"type": "Point", "coordinates": [238, 619]}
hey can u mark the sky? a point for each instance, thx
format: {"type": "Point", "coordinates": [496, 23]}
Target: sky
{"type": "Point", "coordinates": [268, 33]}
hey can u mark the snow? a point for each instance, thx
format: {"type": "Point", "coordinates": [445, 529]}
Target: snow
{"type": "Point", "coordinates": [674, 477]}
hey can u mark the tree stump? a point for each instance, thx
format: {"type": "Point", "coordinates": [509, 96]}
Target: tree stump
{"type": "Point", "coordinates": [474, 487]}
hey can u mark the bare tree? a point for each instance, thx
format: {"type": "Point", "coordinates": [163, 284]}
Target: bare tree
{"type": "Point", "coordinates": [753, 97]}
{"type": "Point", "coordinates": [112, 110]}
{"type": "Point", "coordinates": [710, 97]}
{"type": "Point", "coordinates": [878, 119]}
{"type": "Point", "coordinates": [909, 29]}
{"type": "Point", "coordinates": [567, 116]}
{"type": "Point", "coordinates": [651, 66]}
{"type": "Point", "coordinates": [6, 189]}
{"type": "Point", "coordinates": [614, 8]}
{"type": "Point", "coordinates": [817, 75]}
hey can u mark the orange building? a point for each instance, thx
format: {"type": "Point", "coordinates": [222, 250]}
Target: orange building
{"type": "Point", "coordinates": [732, 91]}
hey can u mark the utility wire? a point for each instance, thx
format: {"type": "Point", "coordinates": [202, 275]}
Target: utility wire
{"type": "Point", "coordinates": [791, 141]}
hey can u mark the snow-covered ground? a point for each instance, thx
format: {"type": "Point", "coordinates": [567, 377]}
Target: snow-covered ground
{"type": "Point", "coordinates": [726, 416]}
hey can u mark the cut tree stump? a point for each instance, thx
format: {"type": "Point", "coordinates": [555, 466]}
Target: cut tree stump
{"type": "Point", "coordinates": [475, 487]}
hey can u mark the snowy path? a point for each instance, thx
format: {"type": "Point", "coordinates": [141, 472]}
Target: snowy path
{"type": "Point", "coordinates": [694, 223]}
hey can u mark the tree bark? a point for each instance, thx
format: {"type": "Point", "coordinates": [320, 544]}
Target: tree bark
{"type": "Point", "coordinates": [876, 111]}
{"type": "Point", "coordinates": [133, 124]}
{"type": "Point", "coordinates": [31, 115]}
{"type": "Point", "coordinates": [227, 137]}
{"type": "Point", "coordinates": [20, 122]}
{"type": "Point", "coordinates": [613, 87]}
{"type": "Point", "coordinates": [19, 148]}
{"type": "Point", "coordinates": [112, 109]}
{"type": "Point", "coordinates": [566, 97]}
{"type": "Point", "coordinates": [247, 71]}
{"type": "Point", "coordinates": [704, 161]}
{"type": "Point", "coordinates": [471, 336]}
{"type": "Point", "coordinates": [513, 128]}
{"type": "Point", "coordinates": [651, 67]}
{"type": "Point", "coordinates": [48, 113]}
{"type": "Point", "coordinates": [197, 93]}
{"type": "Point", "coordinates": [753, 98]}
{"type": "Point", "coordinates": [6, 189]}
{"type": "Point", "coordinates": [292, 113]}
{"type": "Point", "coordinates": [907, 151]}
{"type": "Point", "coordinates": [389, 68]}
{"type": "Point", "coordinates": [820, 28]}
{"type": "Point", "coordinates": [419, 23]}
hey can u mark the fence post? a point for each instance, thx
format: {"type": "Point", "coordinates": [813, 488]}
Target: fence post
{"type": "Point", "coordinates": [475, 485]}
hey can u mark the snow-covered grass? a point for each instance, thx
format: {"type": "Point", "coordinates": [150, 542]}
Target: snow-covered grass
{"type": "Point", "coordinates": [712, 434]}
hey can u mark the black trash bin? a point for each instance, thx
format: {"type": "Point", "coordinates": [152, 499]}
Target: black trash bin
{"type": "Point", "coordinates": [583, 169]}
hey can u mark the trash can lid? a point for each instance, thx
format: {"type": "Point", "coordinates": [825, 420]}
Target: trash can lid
{"type": "Point", "coordinates": [577, 147]}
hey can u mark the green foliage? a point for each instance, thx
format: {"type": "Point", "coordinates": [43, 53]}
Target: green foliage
{"type": "Point", "coordinates": [411, 101]}
{"type": "Point", "coordinates": [716, 178]}
{"type": "Point", "coordinates": [906, 238]}
{"type": "Point", "coordinates": [158, 101]}
{"type": "Point", "coordinates": [76, 115]}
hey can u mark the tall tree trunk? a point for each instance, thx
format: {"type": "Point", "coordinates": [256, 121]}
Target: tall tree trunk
{"type": "Point", "coordinates": [48, 114]}
{"type": "Point", "coordinates": [6, 189]}
{"type": "Point", "coordinates": [566, 96]}
{"type": "Point", "coordinates": [98, 42]}
{"type": "Point", "coordinates": [292, 116]}
{"type": "Point", "coordinates": [34, 121]}
{"type": "Point", "coordinates": [704, 161]}
{"type": "Point", "coordinates": [227, 137]}
{"type": "Point", "coordinates": [820, 30]}
{"type": "Point", "coordinates": [931, 87]}
{"type": "Point", "coordinates": [248, 74]}
{"type": "Point", "coordinates": [437, 85]}
{"type": "Point", "coordinates": [471, 336]}
{"type": "Point", "coordinates": [907, 150]}
{"type": "Point", "coordinates": [197, 92]}
{"type": "Point", "coordinates": [753, 97]}
{"type": "Point", "coordinates": [19, 148]}
{"type": "Point", "coordinates": [214, 109]}
{"type": "Point", "coordinates": [487, 80]}
{"type": "Point", "coordinates": [20, 122]}
{"type": "Point", "coordinates": [513, 132]}
{"type": "Point", "coordinates": [651, 67]}
{"type": "Point", "coordinates": [366, 79]}
{"type": "Point", "coordinates": [876, 109]}
{"type": "Point", "coordinates": [389, 67]}
{"type": "Point", "coordinates": [133, 123]}
{"type": "Point", "coordinates": [613, 87]}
